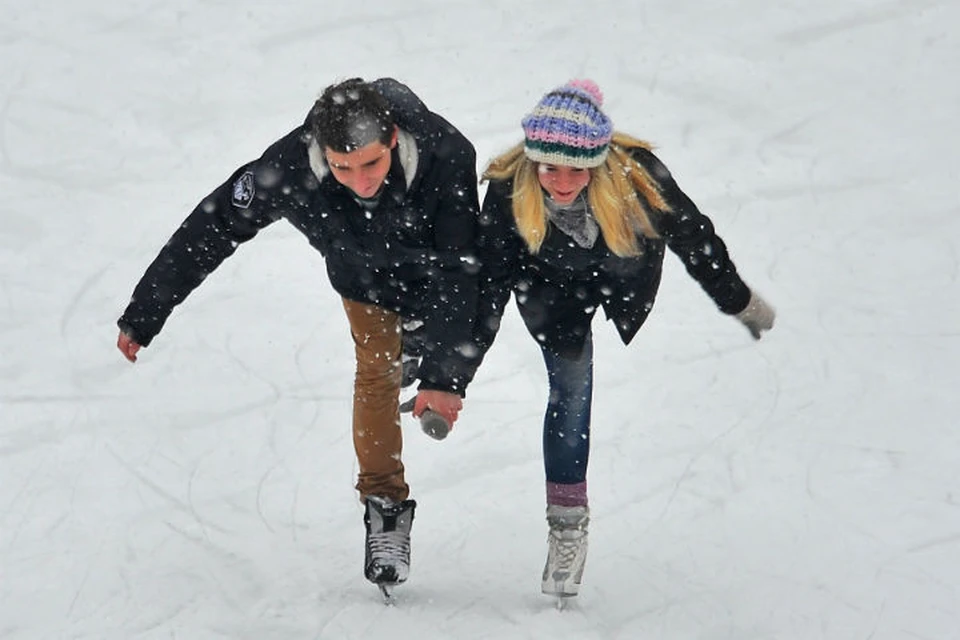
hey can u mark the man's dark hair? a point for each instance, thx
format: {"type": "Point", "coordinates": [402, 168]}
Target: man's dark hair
{"type": "Point", "coordinates": [350, 115]}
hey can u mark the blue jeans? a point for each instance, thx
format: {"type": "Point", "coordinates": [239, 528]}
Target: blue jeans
{"type": "Point", "coordinates": [566, 425]}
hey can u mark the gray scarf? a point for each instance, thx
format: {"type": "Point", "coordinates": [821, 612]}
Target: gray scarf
{"type": "Point", "coordinates": [575, 220]}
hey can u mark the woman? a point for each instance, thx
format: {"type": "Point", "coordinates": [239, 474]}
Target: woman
{"type": "Point", "coordinates": [575, 217]}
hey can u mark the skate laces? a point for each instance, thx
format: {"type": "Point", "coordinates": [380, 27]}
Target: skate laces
{"type": "Point", "coordinates": [565, 545]}
{"type": "Point", "coordinates": [389, 555]}
{"type": "Point", "coordinates": [568, 533]}
{"type": "Point", "coordinates": [390, 547]}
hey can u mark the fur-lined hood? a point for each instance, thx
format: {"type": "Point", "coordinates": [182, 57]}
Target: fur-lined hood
{"type": "Point", "coordinates": [406, 147]}
{"type": "Point", "coordinates": [417, 133]}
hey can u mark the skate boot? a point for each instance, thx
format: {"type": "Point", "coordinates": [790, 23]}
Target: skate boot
{"type": "Point", "coordinates": [412, 338]}
{"type": "Point", "coordinates": [410, 369]}
{"type": "Point", "coordinates": [566, 550]}
{"type": "Point", "coordinates": [387, 559]}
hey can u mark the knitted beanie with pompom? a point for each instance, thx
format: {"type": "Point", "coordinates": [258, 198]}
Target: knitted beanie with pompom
{"type": "Point", "coordinates": [568, 127]}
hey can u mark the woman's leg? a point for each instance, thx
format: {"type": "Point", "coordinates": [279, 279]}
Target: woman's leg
{"type": "Point", "coordinates": [566, 449]}
{"type": "Point", "coordinates": [566, 424]}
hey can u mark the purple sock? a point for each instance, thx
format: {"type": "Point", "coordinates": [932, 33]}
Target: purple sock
{"type": "Point", "coordinates": [567, 495]}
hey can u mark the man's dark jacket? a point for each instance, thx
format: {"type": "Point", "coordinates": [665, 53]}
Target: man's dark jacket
{"type": "Point", "coordinates": [412, 254]}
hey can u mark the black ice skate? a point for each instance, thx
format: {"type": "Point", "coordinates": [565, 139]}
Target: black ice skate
{"type": "Point", "coordinates": [412, 338]}
{"type": "Point", "coordinates": [387, 558]}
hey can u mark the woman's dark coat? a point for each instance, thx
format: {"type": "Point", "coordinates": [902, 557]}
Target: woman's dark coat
{"type": "Point", "coordinates": [559, 289]}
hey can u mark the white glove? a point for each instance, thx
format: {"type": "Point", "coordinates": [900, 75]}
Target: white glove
{"type": "Point", "coordinates": [758, 316]}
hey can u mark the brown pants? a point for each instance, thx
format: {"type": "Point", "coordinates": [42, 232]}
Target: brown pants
{"type": "Point", "coordinates": [377, 438]}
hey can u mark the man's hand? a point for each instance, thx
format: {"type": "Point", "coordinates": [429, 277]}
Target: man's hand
{"type": "Point", "coordinates": [446, 404]}
{"type": "Point", "coordinates": [127, 347]}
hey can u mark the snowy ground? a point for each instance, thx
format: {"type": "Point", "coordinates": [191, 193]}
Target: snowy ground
{"type": "Point", "coordinates": [806, 486]}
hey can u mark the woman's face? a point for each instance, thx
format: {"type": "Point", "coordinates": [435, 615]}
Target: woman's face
{"type": "Point", "coordinates": [563, 183]}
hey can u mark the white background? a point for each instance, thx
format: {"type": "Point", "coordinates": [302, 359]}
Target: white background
{"type": "Point", "coordinates": [805, 486]}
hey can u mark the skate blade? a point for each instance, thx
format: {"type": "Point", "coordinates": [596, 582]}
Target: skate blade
{"type": "Point", "coordinates": [564, 599]}
{"type": "Point", "coordinates": [386, 592]}
{"type": "Point", "coordinates": [561, 595]}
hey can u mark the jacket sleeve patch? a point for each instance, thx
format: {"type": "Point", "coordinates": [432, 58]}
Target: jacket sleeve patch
{"type": "Point", "coordinates": [243, 190]}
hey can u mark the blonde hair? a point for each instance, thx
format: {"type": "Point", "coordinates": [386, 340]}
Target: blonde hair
{"type": "Point", "coordinates": [614, 193]}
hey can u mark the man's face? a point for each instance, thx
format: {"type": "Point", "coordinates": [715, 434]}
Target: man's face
{"type": "Point", "coordinates": [362, 170]}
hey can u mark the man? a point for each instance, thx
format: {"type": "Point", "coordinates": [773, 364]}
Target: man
{"type": "Point", "coordinates": [386, 190]}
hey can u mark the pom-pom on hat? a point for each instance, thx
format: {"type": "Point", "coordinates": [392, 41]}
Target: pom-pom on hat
{"type": "Point", "coordinates": [568, 127]}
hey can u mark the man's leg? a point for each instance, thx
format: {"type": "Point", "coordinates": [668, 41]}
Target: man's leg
{"type": "Point", "coordinates": [377, 437]}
